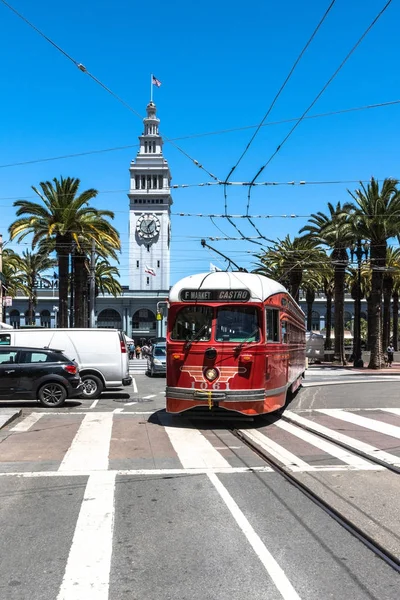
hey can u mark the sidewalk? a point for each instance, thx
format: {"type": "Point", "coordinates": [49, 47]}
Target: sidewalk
{"type": "Point", "coordinates": [7, 415]}
{"type": "Point", "coordinates": [325, 366]}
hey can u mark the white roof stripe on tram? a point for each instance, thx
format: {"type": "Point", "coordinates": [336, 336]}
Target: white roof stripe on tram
{"type": "Point", "coordinates": [327, 447]}
{"type": "Point", "coordinates": [372, 451]}
{"type": "Point", "coordinates": [366, 422]}
{"type": "Point", "coordinates": [284, 456]}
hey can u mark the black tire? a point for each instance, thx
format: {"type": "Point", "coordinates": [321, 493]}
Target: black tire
{"type": "Point", "coordinates": [92, 387]}
{"type": "Point", "coordinates": [52, 394]}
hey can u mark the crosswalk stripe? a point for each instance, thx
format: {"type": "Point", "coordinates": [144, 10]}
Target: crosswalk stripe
{"type": "Point", "coordinates": [87, 572]}
{"type": "Point", "coordinates": [372, 451]}
{"type": "Point", "coordinates": [394, 411]}
{"type": "Point", "coordinates": [90, 446]}
{"type": "Point", "coordinates": [193, 449]}
{"type": "Point", "coordinates": [366, 422]}
{"type": "Point", "coordinates": [272, 567]}
{"type": "Point", "coordinates": [336, 451]}
{"type": "Point", "coordinates": [27, 423]}
{"type": "Point", "coordinates": [284, 456]}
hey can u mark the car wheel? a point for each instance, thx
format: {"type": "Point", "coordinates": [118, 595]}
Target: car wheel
{"type": "Point", "coordinates": [52, 394]}
{"type": "Point", "coordinates": [92, 387]}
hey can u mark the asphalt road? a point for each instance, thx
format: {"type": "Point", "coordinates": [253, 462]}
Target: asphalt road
{"type": "Point", "coordinates": [115, 499]}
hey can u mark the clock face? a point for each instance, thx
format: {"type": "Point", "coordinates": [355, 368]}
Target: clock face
{"type": "Point", "coordinates": [148, 226]}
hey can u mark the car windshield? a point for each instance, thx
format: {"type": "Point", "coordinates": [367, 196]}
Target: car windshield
{"type": "Point", "coordinates": [238, 324]}
{"type": "Point", "coordinates": [159, 351]}
{"type": "Point", "coordinates": [193, 322]}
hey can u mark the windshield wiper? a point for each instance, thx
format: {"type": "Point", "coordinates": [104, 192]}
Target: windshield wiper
{"type": "Point", "coordinates": [247, 340]}
{"type": "Point", "coordinates": [196, 337]}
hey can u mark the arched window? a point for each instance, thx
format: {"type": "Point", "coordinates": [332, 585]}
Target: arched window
{"type": "Point", "coordinates": [315, 321]}
{"type": "Point", "coordinates": [15, 319]}
{"type": "Point", "coordinates": [45, 319]}
{"type": "Point", "coordinates": [109, 319]}
{"type": "Point", "coordinates": [144, 319]}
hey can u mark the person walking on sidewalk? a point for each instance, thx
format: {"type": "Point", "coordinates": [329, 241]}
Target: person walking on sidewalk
{"type": "Point", "coordinates": [390, 354]}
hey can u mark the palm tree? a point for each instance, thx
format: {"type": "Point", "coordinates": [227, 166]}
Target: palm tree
{"type": "Point", "coordinates": [395, 296]}
{"type": "Point", "coordinates": [311, 284]}
{"type": "Point", "coordinates": [57, 222]}
{"type": "Point", "coordinates": [334, 230]}
{"type": "Point", "coordinates": [106, 281]}
{"type": "Point", "coordinates": [378, 220]}
{"type": "Point", "coordinates": [30, 266]}
{"type": "Point", "coordinates": [14, 279]}
{"type": "Point", "coordinates": [327, 278]}
{"type": "Point", "coordinates": [287, 260]}
{"type": "Point", "coordinates": [392, 268]}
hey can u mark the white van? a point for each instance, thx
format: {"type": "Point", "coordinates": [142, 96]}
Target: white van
{"type": "Point", "coordinates": [100, 353]}
{"type": "Point", "coordinates": [315, 344]}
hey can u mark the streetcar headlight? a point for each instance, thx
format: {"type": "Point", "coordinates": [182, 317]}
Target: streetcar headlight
{"type": "Point", "coordinates": [211, 374]}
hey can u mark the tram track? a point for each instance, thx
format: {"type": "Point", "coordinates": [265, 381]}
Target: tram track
{"type": "Point", "coordinates": [378, 549]}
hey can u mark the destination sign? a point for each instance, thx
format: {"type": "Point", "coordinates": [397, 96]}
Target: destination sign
{"type": "Point", "coordinates": [215, 295]}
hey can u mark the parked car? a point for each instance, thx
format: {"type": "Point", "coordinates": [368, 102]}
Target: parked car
{"type": "Point", "coordinates": [101, 354]}
{"type": "Point", "coordinates": [36, 373]}
{"type": "Point", "coordinates": [157, 360]}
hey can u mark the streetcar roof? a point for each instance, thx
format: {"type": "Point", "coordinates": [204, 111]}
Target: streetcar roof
{"type": "Point", "coordinates": [259, 286]}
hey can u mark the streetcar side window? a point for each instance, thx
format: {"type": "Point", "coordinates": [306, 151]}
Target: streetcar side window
{"type": "Point", "coordinates": [285, 332]}
{"type": "Point", "coordinates": [237, 324]}
{"type": "Point", "coordinates": [272, 322]}
{"type": "Point", "coordinates": [193, 322]}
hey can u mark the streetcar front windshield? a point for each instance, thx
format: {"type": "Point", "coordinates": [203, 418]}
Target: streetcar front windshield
{"type": "Point", "coordinates": [238, 324]}
{"type": "Point", "coordinates": [193, 323]}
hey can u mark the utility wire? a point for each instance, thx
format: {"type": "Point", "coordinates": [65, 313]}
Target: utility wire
{"type": "Point", "coordinates": [204, 134]}
{"type": "Point", "coordinates": [274, 102]}
{"type": "Point", "coordinates": [297, 123]}
{"type": "Point", "coordinates": [82, 68]}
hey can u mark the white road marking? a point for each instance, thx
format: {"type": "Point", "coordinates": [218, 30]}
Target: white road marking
{"type": "Point", "coordinates": [193, 449]}
{"type": "Point", "coordinates": [27, 423]}
{"type": "Point", "coordinates": [166, 472]}
{"type": "Point", "coordinates": [275, 572]}
{"type": "Point", "coordinates": [308, 384]}
{"type": "Point", "coordinates": [372, 424]}
{"type": "Point", "coordinates": [118, 410]}
{"type": "Point", "coordinates": [90, 447]}
{"type": "Point", "coordinates": [395, 411]}
{"type": "Point", "coordinates": [130, 403]}
{"type": "Point", "coordinates": [331, 449]}
{"type": "Point", "coordinates": [134, 385]}
{"type": "Point", "coordinates": [289, 459]}
{"type": "Point", "coordinates": [94, 403]}
{"type": "Point", "coordinates": [162, 393]}
{"type": "Point", "coordinates": [87, 573]}
{"type": "Point", "coordinates": [372, 451]}
{"type": "Point", "coordinates": [148, 397]}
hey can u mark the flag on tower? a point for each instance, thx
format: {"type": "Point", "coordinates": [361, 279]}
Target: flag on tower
{"type": "Point", "coordinates": [150, 271]}
{"type": "Point", "coordinates": [156, 81]}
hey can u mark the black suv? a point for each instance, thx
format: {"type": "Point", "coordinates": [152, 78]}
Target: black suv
{"type": "Point", "coordinates": [40, 373]}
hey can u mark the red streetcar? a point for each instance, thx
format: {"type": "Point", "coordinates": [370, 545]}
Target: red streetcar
{"type": "Point", "coordinates": [235, 341]}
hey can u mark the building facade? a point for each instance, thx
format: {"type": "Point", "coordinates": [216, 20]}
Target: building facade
{"type": "Point", "coordinates": [135, 311]}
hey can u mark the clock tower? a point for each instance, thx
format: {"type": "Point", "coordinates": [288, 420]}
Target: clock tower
{"type": "Point", "coordinates": [149, 211]}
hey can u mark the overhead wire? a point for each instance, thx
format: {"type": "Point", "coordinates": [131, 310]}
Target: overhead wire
{"type": "Point", "coordinates": [296, 62]}
{"type": "Point", "coordinates": [198, 135]}
{"type": "Point", "coordinates": [297, 123]}
{"type": "Point", "coordinates": [82, 68]}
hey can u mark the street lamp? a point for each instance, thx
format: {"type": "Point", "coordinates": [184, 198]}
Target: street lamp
{"type": "Point", "coordinates": [359, 250]}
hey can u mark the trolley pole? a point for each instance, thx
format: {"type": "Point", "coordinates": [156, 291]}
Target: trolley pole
{"type": "Point", "coordinates": [92, 282]}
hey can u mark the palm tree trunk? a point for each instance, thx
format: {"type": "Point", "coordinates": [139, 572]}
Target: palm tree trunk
{"type": "Point", "coordinates": [80, 286]}
{"type": "Point", "coordinates": [63, 263]}
{"type": "Point", "coordinates": [295, 282]}
{"type": "Point", "coordinates": [378, 259]}
{"type": "Point", "coordinates": [310, 297]}
{"type": "Point", "coordinates": [328, 322]}
{"type": "Point", "coordinates": [396, 320]}
{"type": "Point", "coordinates": [387, 295]}
{"type": "Point", "coordinates": [30, 311]}
{"type": "Point", "coordinates": [339, 355]}
{"type": "Point", "coordinates": [369, 322]}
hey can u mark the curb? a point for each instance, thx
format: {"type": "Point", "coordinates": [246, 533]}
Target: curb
{"type": "Point", "coordinates": [12, 418]}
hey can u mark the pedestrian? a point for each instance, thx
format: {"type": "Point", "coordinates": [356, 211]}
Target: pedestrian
{"type": "Point", "coordinates": [390, 353]}
{"type": "Point", "coordinates": [138, 351]}
{"type": "Point", "coordinates": [131, 351]}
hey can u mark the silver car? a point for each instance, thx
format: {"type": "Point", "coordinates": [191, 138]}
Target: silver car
{"type": "Point", "coordinates": [157, 360]}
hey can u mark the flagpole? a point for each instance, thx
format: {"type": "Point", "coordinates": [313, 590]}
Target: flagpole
{"type": "Point", "coordinates": [151, 87]}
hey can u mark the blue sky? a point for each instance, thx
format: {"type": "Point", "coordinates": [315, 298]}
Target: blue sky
{"type": "Point", "coordinates": [220, 64]}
